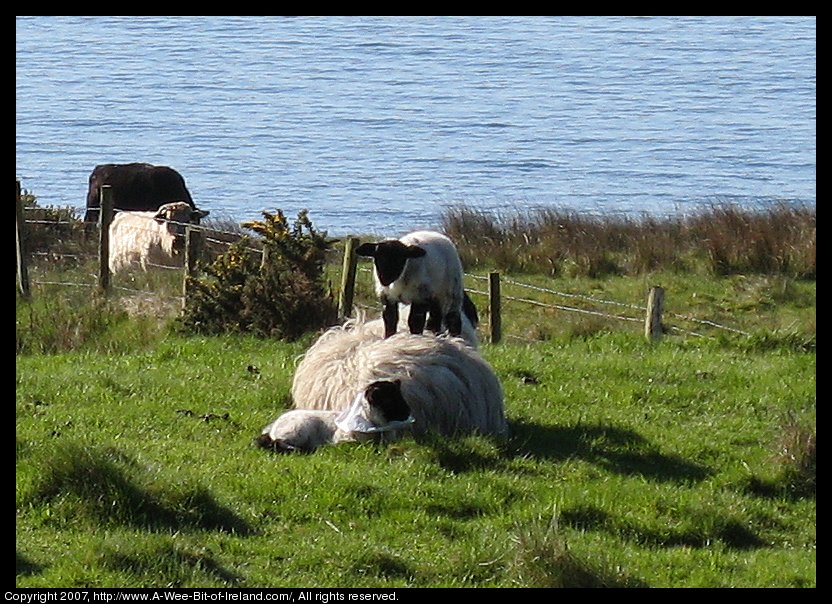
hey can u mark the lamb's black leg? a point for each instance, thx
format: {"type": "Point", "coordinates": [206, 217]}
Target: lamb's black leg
{"type": "Point", "coordinates": [454, 323]}
{"type": "Point", "coordinates": [435, 316]}
{"type": "Point", "coordinates": [390, 314]}
{"type": "Point", "coordinates": [418, 316]}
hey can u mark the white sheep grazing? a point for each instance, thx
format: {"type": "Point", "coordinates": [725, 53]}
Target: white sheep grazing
{"type": "Point", "coordinates": [422, 269]}
{"type": "Point", "coordinates": [449, 387]}
{"type": "Point", "coordinates": [378, 413]}
{"type": "Point", "coordinates": [151, 237]}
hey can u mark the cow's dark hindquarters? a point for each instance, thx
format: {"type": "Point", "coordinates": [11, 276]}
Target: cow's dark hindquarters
{"type": "Point", "coordinates": [136, 187]}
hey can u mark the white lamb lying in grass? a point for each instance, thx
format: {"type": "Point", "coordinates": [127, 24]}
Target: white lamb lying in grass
{"type": "Point", "coordinates": [378, 412]}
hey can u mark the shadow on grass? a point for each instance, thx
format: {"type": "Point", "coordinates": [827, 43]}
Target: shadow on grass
{"type": "Point", "coordinates": [105, 486]}
{"type": "Point", "coordinates": [615, 449]}
{"type": "Point", "coordinates": [782, 487]}
{"type": "Point", "coordinates": [618, 450]}
{"type": "Point", "coordinates": [382, 565]}
{"type": "Point", "coordinates": [24, 566]}
{"type": "Point", "coordinates": [176, 564]}
{"type": "Point", "coordinates": [700, 530]}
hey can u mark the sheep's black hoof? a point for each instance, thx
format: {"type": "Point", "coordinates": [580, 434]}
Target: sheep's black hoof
{"type": "Point", "coordinates": [454, 323]}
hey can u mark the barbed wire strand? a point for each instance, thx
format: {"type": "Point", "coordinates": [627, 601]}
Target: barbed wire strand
{"type": "Point", "coordinates": [710, 323]}
{"type": "Point", "coordinates": [70, 283]}
{"type": "Point", "coordinates": [572, 309]}
{"type": "Point", "coordinates": [576, 296]}
{"type": "Point", "coordinates": [579, 310]}
{"type": "Point", "coordinates": [508, 281]}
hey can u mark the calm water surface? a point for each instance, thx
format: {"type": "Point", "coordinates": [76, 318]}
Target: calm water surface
{"type": "Point", "coordinates": [377, 124]}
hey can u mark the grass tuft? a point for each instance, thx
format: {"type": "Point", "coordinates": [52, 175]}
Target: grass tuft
{"type": "Point", "coordinates": [543, 559]}
{"type": "Point", "coordinates": [54, 322]}
{"type": "Point", "coordinates": [380, 564]}
{"type": "Point", "coordinates": [797, 453]}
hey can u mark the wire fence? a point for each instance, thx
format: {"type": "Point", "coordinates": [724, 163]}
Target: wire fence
{"type": "Point", "coordinates": [633, 313]}
{"type": "Point", "coordinates": [515, 292]}
{"type": "Point", "coordinates": [70, 253]}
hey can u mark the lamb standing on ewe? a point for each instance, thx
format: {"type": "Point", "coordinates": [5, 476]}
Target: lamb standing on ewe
{"type": "Point", "coordinates": [449, 387]}
{"type": "Point", "coordinates": [469, 327]}
{"type": "Point", "coordinates": [378, 411]}
{"type": "Point", "coordinates": [422, 269]}
{"type": "Point", "coordinates": [150, 237]}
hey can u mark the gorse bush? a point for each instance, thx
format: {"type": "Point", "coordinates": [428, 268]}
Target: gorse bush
{"type": "Point", "coordinates": [277, 293]}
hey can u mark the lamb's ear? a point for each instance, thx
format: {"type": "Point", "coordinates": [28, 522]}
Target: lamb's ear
{"type": "Point", "coordinates": [367, 249]}
{"type": "Point", "coordinates": [414, 251]}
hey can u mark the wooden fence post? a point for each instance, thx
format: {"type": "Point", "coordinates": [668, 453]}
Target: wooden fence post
{"type": "Point", "coordinates": [347, 293]}
{"type": "Point", "coordinates": [193, 248]}
{"type": "Point", "coordinates": [22, 268]}
{"type": "Point", "coordinates": [494, 309]}
{"type": "Point", "coordinates": [653, 320]}
{"type": "Point", "coordinates": [105, 217]}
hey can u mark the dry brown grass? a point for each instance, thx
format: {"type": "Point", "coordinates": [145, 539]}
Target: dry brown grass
{"type": "Point", "coordinates": [724, 240]}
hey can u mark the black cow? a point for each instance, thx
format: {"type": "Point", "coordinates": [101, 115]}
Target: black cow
{"type": "Point", "coordinates": [140, 187]}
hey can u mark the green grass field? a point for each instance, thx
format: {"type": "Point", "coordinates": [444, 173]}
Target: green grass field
{"type": "Point", "coordinates": [687, 462]}
{"type": "Point", "coordinates": [677, 464]}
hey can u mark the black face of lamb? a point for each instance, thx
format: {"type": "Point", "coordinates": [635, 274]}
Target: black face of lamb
{"type": "Point", "coordinates": [389, 258]}
{"type": "Point", "coordinates": [387, 397]}
{"type": "Point", "coordinates": [389, 268]}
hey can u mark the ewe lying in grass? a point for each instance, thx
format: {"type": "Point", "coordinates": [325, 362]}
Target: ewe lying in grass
{"type": "Point", "coordinates": [448, 386]}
